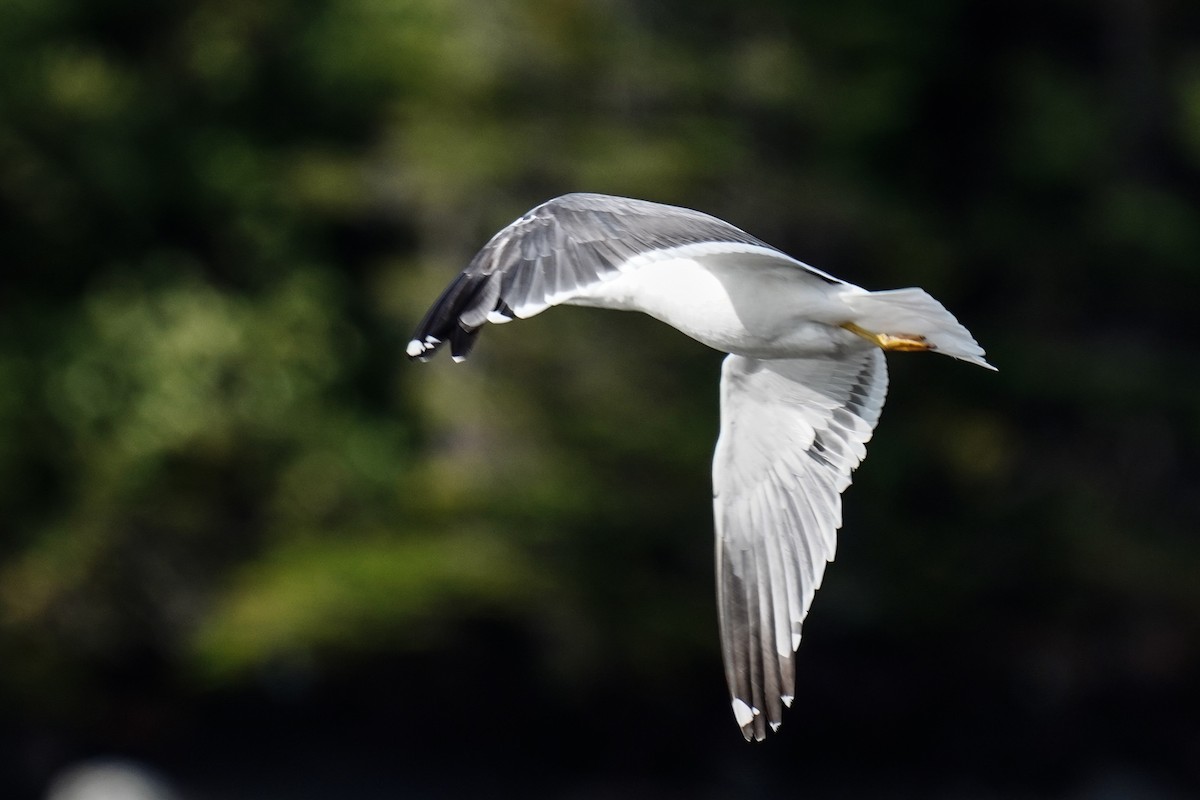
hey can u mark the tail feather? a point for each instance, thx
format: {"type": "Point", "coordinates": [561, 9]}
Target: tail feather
{"type": "Point", "coordinates": [915, 312]}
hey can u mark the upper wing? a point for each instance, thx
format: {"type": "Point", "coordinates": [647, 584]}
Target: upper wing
{"type": "Point", "coordinates": [791, 433]}
{"type": "Point", "coordinates": [558, 250]}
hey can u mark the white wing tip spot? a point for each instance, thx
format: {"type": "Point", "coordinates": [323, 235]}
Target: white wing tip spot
{"type": "Point", "coordinates": [417, 347]}
{"type": "Point", "coordinates": [787, 700]}
{"type": "Point", "coordinates": [743, 712]}
{"type": "Point", "coordinates": [795, 641]}
{"type": "Point", "coordinates": [775, 726]}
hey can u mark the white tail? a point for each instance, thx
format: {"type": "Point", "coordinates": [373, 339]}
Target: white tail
{"type": "Point", "coordinates": [914, 312]}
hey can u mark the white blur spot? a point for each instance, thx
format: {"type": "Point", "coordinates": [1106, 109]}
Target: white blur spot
{"type": "Point", "coordinates": [109, 779]}
{"type": "Point", "coordinates": [414, 348]}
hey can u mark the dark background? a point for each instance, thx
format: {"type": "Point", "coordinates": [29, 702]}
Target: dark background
{"type": "Point", "coordinates": [245, 543]}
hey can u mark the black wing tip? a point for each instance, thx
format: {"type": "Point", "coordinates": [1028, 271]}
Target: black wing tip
{"type": "Point", "coordinates": [756, 724]}
{"type": "Point", "coordinates": [462, 341]}
{"type": "Point", "coordinates": [751, 720]}
{"type": "Point", "coordinates": [443, 322]}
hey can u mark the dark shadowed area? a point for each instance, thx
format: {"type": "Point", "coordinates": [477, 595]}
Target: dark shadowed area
{"type": "Point", "coordinates": [249, 550]}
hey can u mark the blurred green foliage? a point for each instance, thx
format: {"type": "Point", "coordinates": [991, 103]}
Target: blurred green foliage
{"type": "Point", "coordinates": [219, 220]}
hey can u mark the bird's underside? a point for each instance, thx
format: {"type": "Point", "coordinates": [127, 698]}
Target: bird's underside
{"type": "Point", "coordinates": [801, 390]}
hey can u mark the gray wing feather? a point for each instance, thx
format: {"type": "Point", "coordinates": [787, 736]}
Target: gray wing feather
{"type": "Point", "coordinates": [555, 252]}
{"type": "Point", "coordinates": [575, 240]}
{"type": "Point", "coordinates": [791, 433]}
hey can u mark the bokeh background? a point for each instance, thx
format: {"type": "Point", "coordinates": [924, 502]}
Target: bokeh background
{"type": "Point", "coordinates": [248, 546]}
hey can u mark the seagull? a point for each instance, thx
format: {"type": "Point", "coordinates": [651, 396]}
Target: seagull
{"type": "Point", "coordinates": [802, 387]}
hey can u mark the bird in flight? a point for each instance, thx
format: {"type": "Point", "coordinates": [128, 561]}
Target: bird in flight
{"type": "Point", "coordinates": [801, 388]}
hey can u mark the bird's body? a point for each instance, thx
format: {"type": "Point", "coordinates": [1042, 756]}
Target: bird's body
{"type": "Point", "coordinates": [744, 302]}
{"type": "Point", "coordinates": [801, 390]}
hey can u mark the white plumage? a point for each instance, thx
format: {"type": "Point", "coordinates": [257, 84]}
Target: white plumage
{"type": "Point", "coordinates": [801, 390]}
